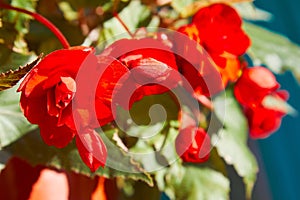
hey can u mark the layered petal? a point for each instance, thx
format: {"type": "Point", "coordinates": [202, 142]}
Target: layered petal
{"type": "Point", "coordinates": [53, 135]}
{"type": "Point", "coordinates": [262, 121]}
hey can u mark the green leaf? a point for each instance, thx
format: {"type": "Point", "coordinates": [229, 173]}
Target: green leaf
{"type": "Point", "coordinates": [202, 183]}
{"type": "Point", "coordinates": [231, 141]}
{"type": "Point", "coordinates": [158, 151]}
{"type": "Point", "coordinates": [11, 78]}
{"type": "Point", "coordinates": [273, 50]}
{"type": "Point", "coordinates": [181, 5]}
{"type": "Point", "coordinates": [14, 60]}
{"type": "Point", "coordinates": [190, 183]}
{"type": "Point", "coordinates": [278, 104]}
{"type": "Point", "coordinates": [248, 11]}
{"type": "Point", "coordinates": [134, 15]}
{"type": "Point", "coordinates": [31, 148]}
{"type": "Point", "coordinates": [13, 124]}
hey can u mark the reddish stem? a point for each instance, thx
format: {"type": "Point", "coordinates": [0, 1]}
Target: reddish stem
{"type": "Point", "coordinates": [43, 21]}
{"type": "Point", "coordinates": [116, 15]}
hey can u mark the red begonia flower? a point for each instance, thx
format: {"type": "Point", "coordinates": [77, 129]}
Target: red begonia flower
{"type": "Point", "coordinates": [252, 88]}
{"type": "Point", "coordinates": [48, 91]}
{"type": "Point", "coordinates": [193, 144]}
{"type": "Point", "coordinates": [68, 93]}
{"type": "Point", "coordinates": [218, 29]}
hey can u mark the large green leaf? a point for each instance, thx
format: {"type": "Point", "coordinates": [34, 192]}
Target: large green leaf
{"type": "Point", "coordinates": [13, 124]}
{"type": "Point", "coordinates": [273, 50]}
{"type": "Point", "coordinates": [191, 182]}
{"type": "Point", "coordinates": [187, 8]}
{"type": "Point", "coordinates": [31, 148]}
{"type": "Point", "coordinates": [231, 141]}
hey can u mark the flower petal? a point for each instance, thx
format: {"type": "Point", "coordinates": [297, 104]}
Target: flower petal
{"type": "Point", "coordinates": [92, 149]}
{"type": "Point", "coordinates": [54, 135]}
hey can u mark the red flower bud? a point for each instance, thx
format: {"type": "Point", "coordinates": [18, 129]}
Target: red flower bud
{"type": "Point", "coordinates": [193, 144]}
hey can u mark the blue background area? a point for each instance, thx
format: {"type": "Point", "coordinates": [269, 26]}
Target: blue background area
{"type": "Point", "coordinates": [279, 154]}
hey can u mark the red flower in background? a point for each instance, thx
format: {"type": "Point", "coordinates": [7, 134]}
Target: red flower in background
{"type": "Point", "coordinates": [50, 98]}
{"type": "Point", "coordinates": [218, 29]}
{"type": "Point", "coordinates": [251, 90]}
{"type": "Point", "coordinates": [193, 144]}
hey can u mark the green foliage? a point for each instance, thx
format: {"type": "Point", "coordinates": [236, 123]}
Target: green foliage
{"type": "Point", "coordinates": [31, 148]}
{"type": "Point", "coordinates": [191, 182]}
{"type": "Point", "coordinates": [231, 141]}
{"type": "Point", "coordinates": [13, 124]}
{"type": "Point", "coordinates": [273, 50]}
{"type": "Point", "coordinates": [187, 8]}
{"type": "Point", "coordinates": [134, 16]}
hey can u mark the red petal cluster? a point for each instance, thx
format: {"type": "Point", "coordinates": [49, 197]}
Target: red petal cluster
{"type": "Point", "coordinates": [251, 90]}
{"type": "Point", "coordinates": [152, 68]}
{"type": "Point", "coordinates": [217, 28]}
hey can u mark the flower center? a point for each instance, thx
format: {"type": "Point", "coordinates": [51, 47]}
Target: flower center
{"type": "Point", "coordinates": [64, 92]}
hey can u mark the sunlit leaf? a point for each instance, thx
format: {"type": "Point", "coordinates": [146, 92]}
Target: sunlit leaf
{"type": "Point", "coordinates": [190, 183]}
{"type": "Point", "coordinates": [187, 8]}
{"type": "Point", "coordinates": [231, 141]}
{"type": "Point", "coordinates": [278, 104]}
{"type": "Point", "coordinates": [248, 11]}
{"type": "Point", "coordinates": [273, 50]}
{"type": "Point", "coordinates": [134, 15]}
{"type": "Point", "coordinates": [13, 124]}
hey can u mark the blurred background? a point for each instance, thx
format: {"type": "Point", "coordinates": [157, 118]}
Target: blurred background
{"type": "Point", "coordinates": [279, 176]}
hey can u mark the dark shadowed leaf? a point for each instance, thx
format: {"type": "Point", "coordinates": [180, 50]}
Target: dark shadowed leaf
{"type": "Point", "coordinates": [34, 150]}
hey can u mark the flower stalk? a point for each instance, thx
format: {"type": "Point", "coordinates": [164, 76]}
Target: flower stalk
{"type": "Point", "coordinates": [116, 15]}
